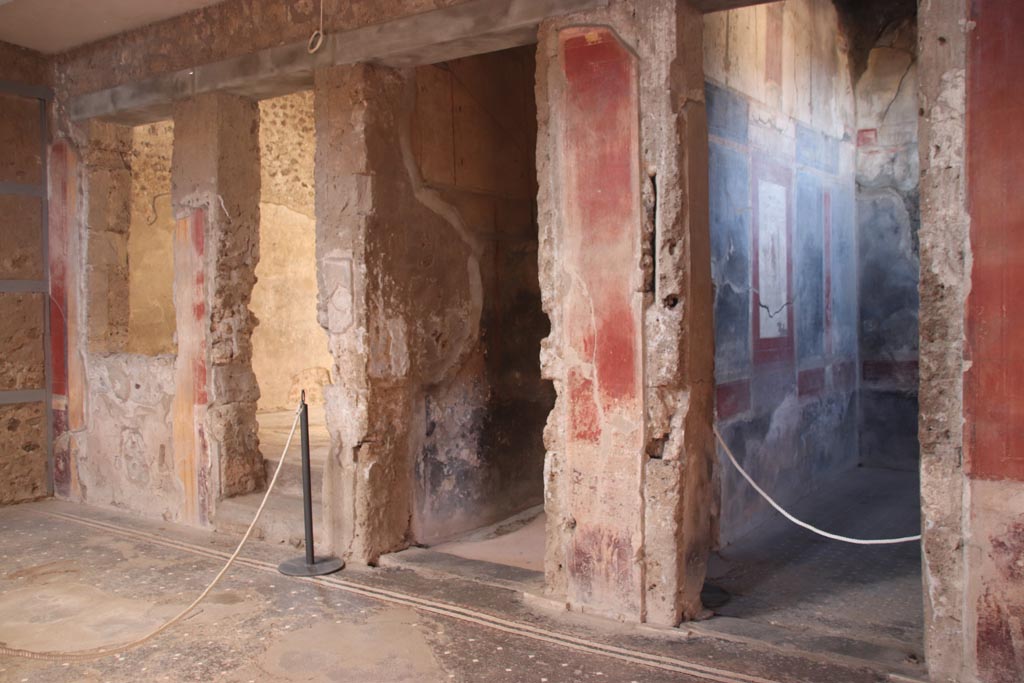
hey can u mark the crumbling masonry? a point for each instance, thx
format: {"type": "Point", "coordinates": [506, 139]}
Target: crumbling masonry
{"type": "Point", "coordinates": [521, 271]}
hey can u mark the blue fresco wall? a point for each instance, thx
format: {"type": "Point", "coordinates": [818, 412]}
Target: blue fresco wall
{"type": "Point", "coordinates": [814, 215]}
{"type": "Point", "coordinates": [888, 216]}
{"type": "Point", "coordinates": [786, 404]}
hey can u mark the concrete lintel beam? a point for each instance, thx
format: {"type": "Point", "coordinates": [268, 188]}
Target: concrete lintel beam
{"type": "Point", "coordinates": [429, 37]}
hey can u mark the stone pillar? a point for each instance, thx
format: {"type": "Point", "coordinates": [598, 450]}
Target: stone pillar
{"type": "Point", "coordinates": [400, 296]}
{"type": "Point", "coordinates": [368, 477]}
{"type": "Point", "coordinates": [215, 180]}
{"type": "Point", "coordinates": [993, 353]}
{"type": "Point", "coordinates": [626, 282]}
{"type": "Point", "coordinates": [65, 307]}
{"type": "Point", "coordinates": [943, 236]}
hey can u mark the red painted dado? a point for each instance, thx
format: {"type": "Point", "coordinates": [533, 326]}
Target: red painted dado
{"type": "Point", "coordinates": [811, 382]}
{"type": "Point", "coordinates": [867, 137]}
{"type": "Point", "coordinates": [199, 306]}
{"type": "Point", "coordinates": [58, 248]}
{"type": "Point", "coordinates": [602, 204]}
{"type": "Point", "coordinates": [600, 161]}
{"type": "Point", "coordinates": [994, 384]}
{"type": "Point", "coordinates": [583, 416]}
{"type": "Point", "coordinates": [191, 450]}
{"type": "Point", "coordinates": [732, 398]}
{"type": "Point", "coordinates": [901, 373]}
{"type": "Point", "coordinates": [61, 199]}
{"type": "Point", "coordinates": [616, 350]}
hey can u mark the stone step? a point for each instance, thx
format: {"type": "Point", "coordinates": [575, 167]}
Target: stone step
{"type": "Point", "coordinates": [443, 565]}
{"type": "Point", "coordinates": [290, 480]}
{"type": "Point", "coordinates": [281, 521]}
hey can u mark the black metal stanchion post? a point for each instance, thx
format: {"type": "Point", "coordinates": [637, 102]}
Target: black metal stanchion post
{"type": "Point", "coordinates": [310, 564]}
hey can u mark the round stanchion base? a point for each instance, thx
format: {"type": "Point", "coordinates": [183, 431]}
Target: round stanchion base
{"type": "Point", "coordinates": [321, 565]}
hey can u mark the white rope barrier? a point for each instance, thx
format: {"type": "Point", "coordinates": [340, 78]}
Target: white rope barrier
{"type": "Point", "coordinates": [805, 525]}
{"type": "Point", "coordinates": [107, 651]}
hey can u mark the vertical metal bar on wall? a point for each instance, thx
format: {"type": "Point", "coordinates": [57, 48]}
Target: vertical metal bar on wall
{"type": "Point", "coordinates": [47, 332]}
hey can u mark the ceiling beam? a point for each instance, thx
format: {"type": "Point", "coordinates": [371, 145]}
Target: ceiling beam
{"type": "Point", "coordinates": [439, 35]}
{"type": "Point", "coordinates": [706, 6]}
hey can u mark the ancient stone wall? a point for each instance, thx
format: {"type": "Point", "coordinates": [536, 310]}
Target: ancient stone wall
{"type": "Point", "coordinates": [473, 132]}
{"type": "Point", "coordinates": [365, 233]}
{"type": "Point", "coordinates": [629, 460]}
{"type": "Point", "coordinates": [784, 251]}
{"type": "Point", "coordinates": [121, 450]}
{"type": "Point", "coordinates": [945, 259]}
{"type": "Point", "coordinates": [107, 168]}
{"type": "Point", "coordinates": [226, 29]}
{"type": "Point", "coordinates": [888, 217]}
{"type": "Point", "coordinates": [993, 393]}
{"type": "Point", "coordinates": [151, 323]}
{"type": "Point", "coordinates": [215, 185]}
{"type": "Point", "coordinates": [128, 459]}
{"type": "Point", "coordinates": [23, 455]}
{"type": "Point", "coordinates": [429, 293]}
{"type": "Point", "coordinates": [21, 65]}
{"type": "Point", "coordinates": [162, 435]}
{"type": "Point", "coordinates": [23, 445]}
{"type": "Point", "coordinates": [23, 426]}
{"type": "Point", "coordinates": [289, 348]}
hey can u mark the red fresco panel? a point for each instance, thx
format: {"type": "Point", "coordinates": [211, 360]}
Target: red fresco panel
{"type": "Point", "coordinates": [732, 398]}
{"type": "Point", "coordinates": [769, 349]}
{"type": "Point", "coordinates": [867, 137]}
{"type": "Point", "coordinates": [191, 453]}
{"type": "Point", "coordinates": [811, 382]}
{"type": "Point", "coordinates": [901, 373]}
{"type": "Point", "coordinates": [993, 390]}
{"type": "Point", "coordinates": [599, 150]}
{"type": "Point", "coordinates": [59, 185]}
